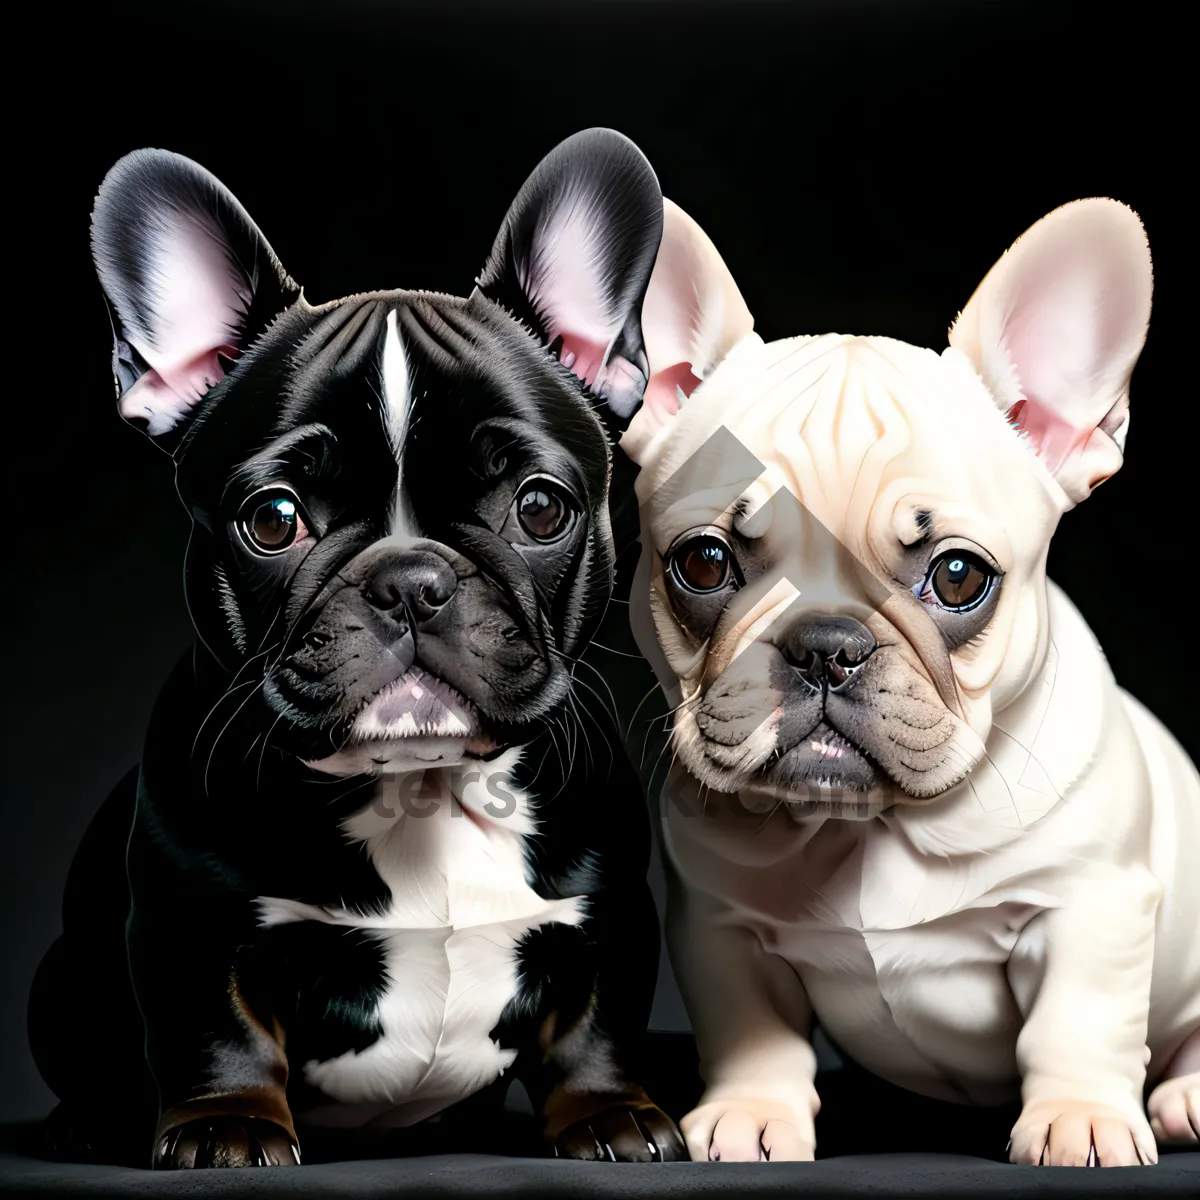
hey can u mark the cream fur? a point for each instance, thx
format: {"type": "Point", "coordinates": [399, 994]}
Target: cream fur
{"type": "Point", "coordinates": [1024, 923]}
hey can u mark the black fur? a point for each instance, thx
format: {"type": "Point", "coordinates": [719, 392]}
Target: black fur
{"type": "Point", "coordinates": [195, 1016]}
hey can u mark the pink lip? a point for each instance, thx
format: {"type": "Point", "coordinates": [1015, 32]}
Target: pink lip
{"type": "Point", "coordinates": [416, 705]}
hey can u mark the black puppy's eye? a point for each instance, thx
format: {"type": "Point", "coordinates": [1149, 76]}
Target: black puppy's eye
{"type": "Point", "coordinates": [542, 511]}
{"type": "Point", "coordinates": [959, 580]}
{"type": "Point", "coordinates": [702, 564]}
{"type": "Point", "coordinates": [271, 521]}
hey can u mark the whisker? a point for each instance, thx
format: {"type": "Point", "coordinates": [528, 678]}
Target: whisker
{"type": "Point", "coordinates": [611, 708]}
{"type": "Point", "coordinates": [1031, 758]}
{"type": "Point", "coordinates": [548, 727]}
{"type": "Point", "coordinates": [263, 751]}
{"type": "Point", "coordinates": [233, 685]}
{"type": "Point", "coordinates": [366, 781]}
{"type": "Point", "coordinates": [588, 687]}
{"type": "Point", "coordinates": [262, 642]}
{"type": "Point", "coordinates": [570, 734]}
{"type": "Point", "coordinates": [217, 740]}
{"type": "Point", "coordinates": [604, 740]}
{"type": "Point", "coordinates": [654, 690]}
{"type": "Point", "coordinates": [778, 805]}
{"type": "Point", "coordinates": [1012, 800]}
{"type": "Point", "coordinates": [251, 746]}
{"type": "Point", "coordinates": [614, 650]}
{"type": "Point", "coordinates": [667, 745]}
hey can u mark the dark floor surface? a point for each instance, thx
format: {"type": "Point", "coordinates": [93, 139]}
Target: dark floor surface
{"type": "Point", "coordinates": [873, 1140]}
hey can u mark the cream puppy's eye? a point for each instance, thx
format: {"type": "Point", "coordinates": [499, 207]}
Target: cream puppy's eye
{"type": "Point", "coordinates": [959, 580]}
{"type": "Point", "coordinates": [702, 564]}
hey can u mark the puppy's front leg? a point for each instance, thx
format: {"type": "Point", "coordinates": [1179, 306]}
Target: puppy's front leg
{"type": "Point", "coordinates": [751, 1018]}
{"type": "Point", "coordinates": [598, 990]}
{"type": "Point", "coordinates": [221, 1072]}
{"type": "Point", "coordinates": [215, 1055]}
{"type": "Point", "coordinates": [1081, 977]}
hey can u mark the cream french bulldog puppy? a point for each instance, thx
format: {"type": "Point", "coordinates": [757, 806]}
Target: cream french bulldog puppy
{"type": "Point", "coordinates": [908, 798]}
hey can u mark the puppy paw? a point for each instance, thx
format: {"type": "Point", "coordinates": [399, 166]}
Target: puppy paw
{"type": "Point", "coordinates": [748, 1131]}
{"type": "Point", "coordinates": [1174, 1111]}
{"type": "Point", "coordinates": [1074, 1133]}
{"type": "Point", "coordinates": [226, 1142]}
{"type": "Point", "coordinates": [623, 1133]}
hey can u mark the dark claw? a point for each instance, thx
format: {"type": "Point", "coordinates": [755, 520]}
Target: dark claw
{"type": "Point", "coordinates": [664, 1135]}
{"type": "Point", "coordinates": [578, 1141]}
{"type": "Point", "coordinates": [623, 1133]}
{"type": "Point", "coordinates": [226, 1142]}
{"type": "Point", "coordinates": [206, 1152]}
{"type": "Point", "coordinates": [651, 1144]}
{"type": "Point", "coordinates": [258, 1156]}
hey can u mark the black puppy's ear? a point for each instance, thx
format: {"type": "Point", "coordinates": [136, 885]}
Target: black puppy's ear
{"type": "Point", "coordinates": [573, 260]}
{"type": "Point", "coordinates": [190, 282]}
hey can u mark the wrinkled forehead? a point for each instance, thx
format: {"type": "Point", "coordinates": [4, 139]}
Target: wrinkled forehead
{"type": "Point", "coordinates": [373, 376]}
{"type": "Point", "coordinates": [855, 432]}
{"type": "Point", "coordinates": [382, 352]}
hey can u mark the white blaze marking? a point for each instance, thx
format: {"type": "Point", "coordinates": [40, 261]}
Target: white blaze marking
{"type": "Point", "coordinates": [397, 401]}
{"type": "Point", "coordinates": [395, 383]}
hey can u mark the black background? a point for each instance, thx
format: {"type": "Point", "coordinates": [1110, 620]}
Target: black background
{"type": "Point", "coordinates": [859, 164]}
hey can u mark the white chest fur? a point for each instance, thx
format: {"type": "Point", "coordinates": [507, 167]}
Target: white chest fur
{"type": "Point", "coordinates": [448, 844]}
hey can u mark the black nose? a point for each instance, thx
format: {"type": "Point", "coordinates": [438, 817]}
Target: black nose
{"type": "Point", "coordinates": [416, 583]}
{"type": "Point", "coordinates": [827, 651]}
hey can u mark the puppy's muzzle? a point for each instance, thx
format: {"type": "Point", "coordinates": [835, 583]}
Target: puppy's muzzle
{"type": "Point", "coordinates": [827, 652]}
{"type": "Point", "coordinates": [411, 587]}
{"type": "Point", "coordinates": [390, 593]}
{"type": "Point", "coordinates": [405, 590]}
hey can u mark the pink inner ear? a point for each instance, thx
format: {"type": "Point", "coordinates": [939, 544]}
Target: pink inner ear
{"type": "Point", "coordinates": [582, 356]}
{"type": "Point", "coordinates": [1058, 334]}
{"type": "Point", "coordinates": [1051, 437]}
{"type": "Point", "coordinates": [1068, 310]}
{"type": "Point", "coordinates": [662, 392]}
{"type": "Point", "coordinates": [161, 398]}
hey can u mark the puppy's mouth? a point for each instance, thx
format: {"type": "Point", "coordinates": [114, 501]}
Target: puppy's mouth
{"type": "Point", "coordinates": [823, 759]}
{"type": "Point", "coordinates": [415, 721]}
{"type": "Point", "coordinates": [415, 705]}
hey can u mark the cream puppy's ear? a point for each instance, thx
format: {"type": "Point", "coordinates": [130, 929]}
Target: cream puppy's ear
{"type": "Point", "coordinates": [693, 316]}
{"type": "Point", "coordinates": [1055, 330]}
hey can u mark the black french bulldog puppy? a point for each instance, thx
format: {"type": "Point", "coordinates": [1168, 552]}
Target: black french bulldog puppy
{"type": "Point", "coordinates": [373, 862]}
